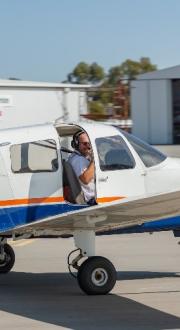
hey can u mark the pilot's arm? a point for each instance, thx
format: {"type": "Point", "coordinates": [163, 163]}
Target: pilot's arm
{"type": "Point", "coordinates": [83, 168]}
{"type": "Point", "coordinates": [88, 173]}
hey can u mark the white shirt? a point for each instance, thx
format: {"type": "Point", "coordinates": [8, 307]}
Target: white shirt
{"type": "Point", "coordinates": [79, 164]}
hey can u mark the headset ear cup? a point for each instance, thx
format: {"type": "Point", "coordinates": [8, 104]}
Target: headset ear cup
{"type": "Point", "coordinates": [75, 140]}
{"type": "Point", "coordinates": [76, 143]}
{"type": "Point", "coordinates": [72, 144]}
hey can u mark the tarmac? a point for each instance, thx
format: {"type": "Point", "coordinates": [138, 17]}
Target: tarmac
{"type": "Point", "coordinates": [169, 150]}
{"type": "Point", "coordinates": [40, 294]}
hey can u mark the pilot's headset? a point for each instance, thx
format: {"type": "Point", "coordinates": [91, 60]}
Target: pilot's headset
{"type": "Point", "coordinates": [75, 140]}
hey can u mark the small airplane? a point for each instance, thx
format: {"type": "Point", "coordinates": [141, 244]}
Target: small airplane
{"type": "Point", "coordinates": [136, 186]}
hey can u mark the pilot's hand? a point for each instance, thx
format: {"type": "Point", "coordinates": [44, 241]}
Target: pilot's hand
{"type": "Point", "coordinates": [91, 155]}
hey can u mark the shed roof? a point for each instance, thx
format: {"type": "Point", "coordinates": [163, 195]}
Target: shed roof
{"type": "Point", "coordinates": [168, 73]}
{"type": "Point", "coordinates": [36, 84]}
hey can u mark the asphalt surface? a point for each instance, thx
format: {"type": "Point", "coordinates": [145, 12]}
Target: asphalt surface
{"type": "Point", "coordinates": [40, 294]}
{"type": "Point", "coordinates": [169, 150]}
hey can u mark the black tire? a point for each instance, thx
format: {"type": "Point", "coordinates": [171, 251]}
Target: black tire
{"type": "Point", "coordinates": [7, 264]}
{"type": "Point", "coordinates": [96, 276]}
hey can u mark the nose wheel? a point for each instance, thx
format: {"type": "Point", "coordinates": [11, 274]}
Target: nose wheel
{"type": "Point", "coordinates": [96, 276]}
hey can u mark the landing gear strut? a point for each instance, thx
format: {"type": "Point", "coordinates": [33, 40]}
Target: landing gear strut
{"type": "Point", "coordinates": [7, 256]}
{"type": "Point", "coordinates": [96, 275]}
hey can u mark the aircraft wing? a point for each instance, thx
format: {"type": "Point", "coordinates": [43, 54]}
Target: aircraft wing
{"type": "Point", "coordinates": [118, 214]}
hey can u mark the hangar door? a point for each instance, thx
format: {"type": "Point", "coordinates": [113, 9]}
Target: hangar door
{"type": "Point", "coordinates": [176, 110]}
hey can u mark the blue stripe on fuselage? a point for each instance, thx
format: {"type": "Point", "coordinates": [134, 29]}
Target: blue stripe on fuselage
{"type": "Point", "coordinates": [164, 224]}
{"type": "Point", "coordinates": [151, 226]}
{"type": "Point", "coordinates": [11, 217]}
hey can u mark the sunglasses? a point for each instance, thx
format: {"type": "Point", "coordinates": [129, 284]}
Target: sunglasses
{"type": "Point", "coordinates": [85, 143]}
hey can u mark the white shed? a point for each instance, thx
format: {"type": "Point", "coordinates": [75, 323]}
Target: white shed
{"type": "Point", "coordinates": [27, 103]}
{"type": "Point", "coordinates": [155, 106]}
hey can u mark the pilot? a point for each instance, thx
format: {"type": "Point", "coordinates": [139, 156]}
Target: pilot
{"type": "Point", "coordinates": [82, 163]}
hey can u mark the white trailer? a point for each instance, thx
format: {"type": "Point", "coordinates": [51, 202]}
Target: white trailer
{"type": "Point", "coordinates": [27, 103]}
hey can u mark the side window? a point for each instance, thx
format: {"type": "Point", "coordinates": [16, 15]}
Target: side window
{"type": "Point", "coordinates": [114, 154]}
{"type": "Point", "coordinates": [38, 156]}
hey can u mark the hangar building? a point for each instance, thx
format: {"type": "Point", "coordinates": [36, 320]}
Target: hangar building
{"type": "Point", "coordinates": [28, 103]}
{"type": "Point", "coordinates": [155, 106]}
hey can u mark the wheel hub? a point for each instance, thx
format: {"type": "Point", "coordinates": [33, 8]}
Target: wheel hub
{"type": "Point", "coordinates": [99, 276]}
{"type": "Point", "coordinates": [4, 261]}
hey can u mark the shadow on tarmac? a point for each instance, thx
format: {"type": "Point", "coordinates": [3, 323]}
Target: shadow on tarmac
{"type": "Point", "coordinates": [137, 275]}
{"type": "Point", "coordinates": [56, 299]}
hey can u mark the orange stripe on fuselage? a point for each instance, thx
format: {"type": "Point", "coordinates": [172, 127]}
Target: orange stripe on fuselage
{"type": "Point", "coordinates": [37, 200]}
{"type": "Point", "coordinates": [108, 199]}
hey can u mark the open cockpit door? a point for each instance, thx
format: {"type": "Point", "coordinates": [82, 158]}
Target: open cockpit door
{"type": "Point", "coordinates": [72, 191]}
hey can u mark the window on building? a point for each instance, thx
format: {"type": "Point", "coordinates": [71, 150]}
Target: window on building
{"type": "Point", "coordinates": [38, 156]}
{"type": "Point", "coordinates": [114, 154]}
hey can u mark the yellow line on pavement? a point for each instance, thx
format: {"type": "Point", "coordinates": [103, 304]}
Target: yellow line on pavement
{"type": "Point", "coordinates": [22, 242]}
{"type": "Point", "coordinates": [26, 242]}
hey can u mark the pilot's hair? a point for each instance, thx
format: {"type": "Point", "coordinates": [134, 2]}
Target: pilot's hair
{"type": "Point", "coordinates": [75, 140]}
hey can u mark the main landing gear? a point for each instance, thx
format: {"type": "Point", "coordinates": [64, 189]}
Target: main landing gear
{"type": "Point", "coordinates": [7, 256]}
{"type": "Point", "coordinates": [96, 275]}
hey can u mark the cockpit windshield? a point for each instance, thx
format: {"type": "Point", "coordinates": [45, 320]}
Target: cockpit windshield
{"type": "Point", "coordinates": [149, 155]}
{"type": "Point", "coordinates": [114, 154]}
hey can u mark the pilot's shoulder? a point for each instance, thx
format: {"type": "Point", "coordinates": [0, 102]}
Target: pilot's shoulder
{"type": "Point", "coordinates": [74, 157]}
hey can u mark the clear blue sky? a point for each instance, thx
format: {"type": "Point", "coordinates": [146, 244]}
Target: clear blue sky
{"type": "Point", "coordinates": [43, 40]}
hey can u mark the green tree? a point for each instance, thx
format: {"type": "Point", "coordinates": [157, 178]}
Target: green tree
{"type": "Point", "coordinates": [85, 73]}
{"type": "Point", "coordinates": [104, 93]}
{"type": "Point", "coordinates": [113, 88]}
{"type": "Point", "coordinates": [146, 65]}
{"type": "Point", "coordinates": [96, 107]}
{"type": "Point", "coordinates": [130, 69]}
{"type": "Point", "coordinates": [97, 73]}
{"type": "Point", "coordinates": [114, 75]}
{"type": "Point", "coordinates": [81, 73]}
